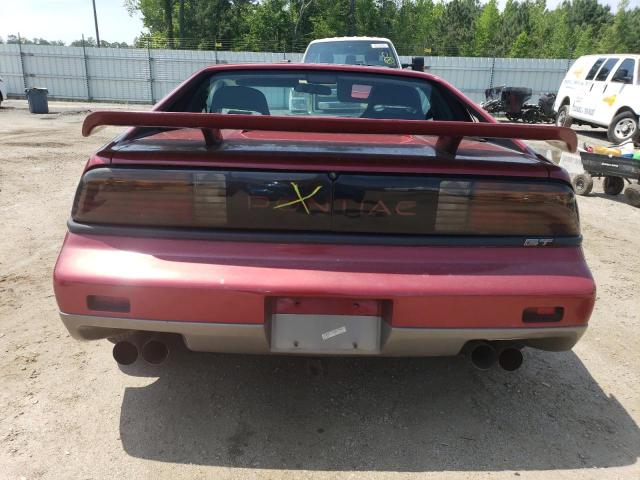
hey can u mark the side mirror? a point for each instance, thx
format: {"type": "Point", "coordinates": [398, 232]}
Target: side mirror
{"type": "Point", "coordinates": [417, 63]}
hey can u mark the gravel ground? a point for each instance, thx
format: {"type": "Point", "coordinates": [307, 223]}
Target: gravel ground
{"type": "Point", "coordinates": [67, 411]}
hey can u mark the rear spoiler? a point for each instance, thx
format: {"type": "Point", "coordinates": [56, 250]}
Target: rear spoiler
{"type": "Point", "coordinates": [449, 134]}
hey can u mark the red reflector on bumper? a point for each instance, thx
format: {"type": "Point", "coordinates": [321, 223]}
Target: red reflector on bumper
{"type": "Point", "coordinates": [108, 304]}
{"type": "Point", "coordinates": [542, 314]}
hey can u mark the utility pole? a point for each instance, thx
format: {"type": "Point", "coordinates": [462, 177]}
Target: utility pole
{"type": "Point", "coordinates": [95, 19]}
{"type": "Point", "coordinates": [352, 17]}
{"type": "Point", "coordinates": [24, 77]}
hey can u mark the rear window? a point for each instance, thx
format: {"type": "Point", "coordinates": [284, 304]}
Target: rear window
{"type": "Point", "coordinates": [594, 69]}
{"type": "Point", "coordinates": [310, 93]}
{"type": "Point", "coordinates": [606, 69]}
{"type": "Point", "coordinates": [317, 93]}
{"type": "Point", "coordinates": [352, 52]}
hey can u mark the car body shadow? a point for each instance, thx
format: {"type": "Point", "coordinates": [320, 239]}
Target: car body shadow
{"type": "Point", "coordinates": [620, 198]}
{"type": "Point", "coordinates": [597, 184]}
{"type": "Point", "coordinates": [599, 134]}
{"type": "Point", "coordinates": [375, 414]}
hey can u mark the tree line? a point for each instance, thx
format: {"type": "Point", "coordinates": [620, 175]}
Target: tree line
{"type": "Point", "coordinates": [524, 28]}
{"type": "Point", "coordinates": [88, 42]}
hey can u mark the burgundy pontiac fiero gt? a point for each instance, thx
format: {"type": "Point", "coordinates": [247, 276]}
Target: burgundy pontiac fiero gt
{"type": "Point", "coordinates": [323, 210]}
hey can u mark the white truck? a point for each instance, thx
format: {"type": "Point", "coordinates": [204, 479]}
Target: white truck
{"type": "Point", "coordinates": [602, 91]}
{"type": "Point", "coordinates": [364, 51]}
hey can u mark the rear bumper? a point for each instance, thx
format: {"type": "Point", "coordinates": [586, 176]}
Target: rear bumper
{"type": "Point", "coordinates": [221, 295]}
{"type": "Point", "coordinates": [254, 339]}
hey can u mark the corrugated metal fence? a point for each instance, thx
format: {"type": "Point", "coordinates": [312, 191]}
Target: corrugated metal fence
{"type": "Point", "coordinates": [146, 75]}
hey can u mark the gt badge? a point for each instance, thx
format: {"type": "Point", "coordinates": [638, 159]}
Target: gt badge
{"type": "Point", "coordinates": [538, 242]}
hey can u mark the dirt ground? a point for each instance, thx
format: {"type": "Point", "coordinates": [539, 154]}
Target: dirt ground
{"type": "Point", "coordinates": [68, 412]}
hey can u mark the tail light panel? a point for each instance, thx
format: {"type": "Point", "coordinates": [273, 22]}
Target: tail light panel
{"type": "Point", "coordinates": [507, 208]}
{"type": "Point", "coordinates": [324, 202]}
{"type": "Point", "coordinates": [166, 198]}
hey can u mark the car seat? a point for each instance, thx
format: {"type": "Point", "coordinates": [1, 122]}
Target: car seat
{"type": "Point", "coordinates": [394, 102]}
{"type": "Point", "coordinates": [350, 59]}
{"type": "Point", "coordinates": [239, 98]}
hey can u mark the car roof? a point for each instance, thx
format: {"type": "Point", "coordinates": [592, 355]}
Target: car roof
{"type": "Point", "coordinates": [347, 39]}
{"type": "Point", "coordinates": [612, 55]}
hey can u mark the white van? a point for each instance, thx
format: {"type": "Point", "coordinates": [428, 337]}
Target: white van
{"type": "Point", "coordinates": [602, 91]}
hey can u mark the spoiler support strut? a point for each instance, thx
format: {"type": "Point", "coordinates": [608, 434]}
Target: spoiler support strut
{"type": "Point", "coordinates": [449, 134]}
{"type": "Point", "coordinates": [212, 136]}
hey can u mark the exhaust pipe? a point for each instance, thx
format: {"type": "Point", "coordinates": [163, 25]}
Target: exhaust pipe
{"type": "Point", "coordinates": [125, 352]}
{"type": "Point", "coordinates": [127, 349]}
{"type": "Point", "coordinates": [482, 355]}
{"type": "Point", "coordinates": [510, 359]}
{"type": "Point", "coordinates": [155, 351]}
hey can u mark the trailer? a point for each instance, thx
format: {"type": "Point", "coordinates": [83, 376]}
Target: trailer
{"type": "Point", "coordinates": [615, 170]}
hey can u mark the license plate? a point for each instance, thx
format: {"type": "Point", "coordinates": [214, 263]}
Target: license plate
{"type": "Point", "coordinates": [325, 334]}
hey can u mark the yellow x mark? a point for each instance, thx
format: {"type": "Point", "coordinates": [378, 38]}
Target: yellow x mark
{"type": "Point", "coordinates": [300, 199]}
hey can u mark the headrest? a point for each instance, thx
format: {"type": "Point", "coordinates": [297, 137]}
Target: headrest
{"type": "Point", "coordinates": [396, 95]}
{"type": "Point", "coordinates": [239, 98]}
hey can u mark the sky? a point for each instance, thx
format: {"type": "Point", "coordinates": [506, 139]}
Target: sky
{"type": "Point", "coordinates": [67, 20]}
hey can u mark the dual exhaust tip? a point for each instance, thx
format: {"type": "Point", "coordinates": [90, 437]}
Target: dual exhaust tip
{"type": "Point", "coordinates": [153, 349]}
{"type": "Point", "coordinates": [484, 355]}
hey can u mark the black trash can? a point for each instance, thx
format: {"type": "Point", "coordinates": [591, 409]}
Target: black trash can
{"type": "Point", "coordinates": [37, 98]}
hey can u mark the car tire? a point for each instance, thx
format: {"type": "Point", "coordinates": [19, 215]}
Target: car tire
{"type": "Point", "coordinates": [563, 119]}
{"type": "Point", "coordinates": [623, 127]}
{"type": "Point", "coordinates": [633, 195]}
{"type": "Point", "coordinates": [583, 184]}
{"type": "Point", "coordinates": [530, 116]}
{"type": "Point", "coordinates": [613, 185]}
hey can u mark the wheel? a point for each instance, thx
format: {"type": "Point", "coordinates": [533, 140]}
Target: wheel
{"type": "Point", "coordinates": [512, 118]}
{"type": "Point", "coordinates": [633, 195]}
{"type": "Point", "coordinates": [583, 184]}
{"type": "Point", "coordinates": [563, 119]}
{"type": "Point", "coordinates": [613, 185]}
{"type": "Point", "coordinates": [623, 126]}
{"type": "Point", "coordinates": [530, 116]}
